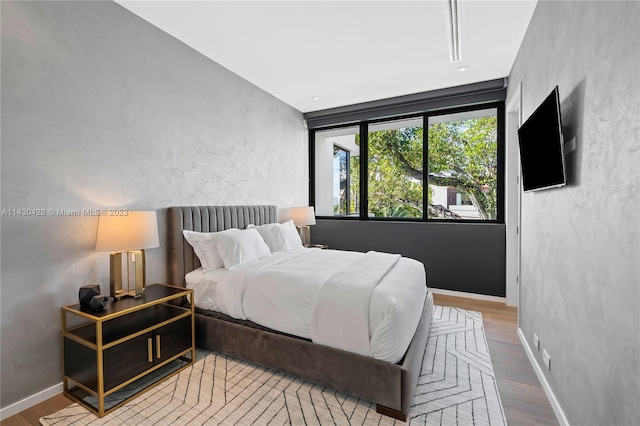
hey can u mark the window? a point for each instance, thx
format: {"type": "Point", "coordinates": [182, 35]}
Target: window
{"type": "Point", "coordinates": [337, 176]}
{"type": "Point", "coordinates": [395, 184]}
{"type": "Point", "coordinates": [463, 165]}
{"type": "Point", "coordinates": [456, 152]}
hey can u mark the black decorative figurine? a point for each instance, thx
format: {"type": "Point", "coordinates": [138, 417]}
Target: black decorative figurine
{"type": "Point", "coordinates": [99, 303]}
{"type": "Point", "coordinates": [86, 293]}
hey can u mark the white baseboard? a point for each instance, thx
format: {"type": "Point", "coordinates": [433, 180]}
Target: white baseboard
{"type": "Point", "coordinates": [468, 295]}
{"type": "Point", "coordinates": [562, 419]}
{"type": "Point", "coordinates": [30, 401]}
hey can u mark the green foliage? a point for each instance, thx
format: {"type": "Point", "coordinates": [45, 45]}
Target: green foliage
{"type": "Point", "coordinates": [462, 155]}
{"type": "Point", "coordinates": [393, 190]}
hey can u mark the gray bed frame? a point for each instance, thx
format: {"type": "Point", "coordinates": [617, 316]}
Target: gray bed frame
{"type": "Point", "coordinates": [390, 386]}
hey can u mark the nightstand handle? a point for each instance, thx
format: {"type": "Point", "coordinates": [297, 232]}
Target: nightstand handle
{"type": "Point", "coordinates": [149, 349]}
{"type": "Point", "coordinates": [158, 345]}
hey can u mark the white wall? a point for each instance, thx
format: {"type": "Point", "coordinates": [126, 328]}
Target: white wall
{"type": "Point", "coordinates": [324, 176]}
{"type": "Point", "coordinates": [439, 195]}
{"type": "Point", "coordinates": [324, 163]}
{"type": "Point", "coordinates": [101, 109]}
{"type": "Point", "coordinates": [580, 278]}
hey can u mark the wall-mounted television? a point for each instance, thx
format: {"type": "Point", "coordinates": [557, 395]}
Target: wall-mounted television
{"type": "Point", "coordinates": [542, 147]}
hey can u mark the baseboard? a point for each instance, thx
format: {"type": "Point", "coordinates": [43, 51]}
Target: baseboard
{"type": "Point", "coordinates": [468, 295]}
{"type": "Point", "coordinates": [562, 419]}
{"type": "Point", "coordinates": [30, 401]}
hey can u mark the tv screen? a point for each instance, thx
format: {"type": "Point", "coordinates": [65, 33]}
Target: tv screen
{"type": "Point", "coordinates": [542, 147]}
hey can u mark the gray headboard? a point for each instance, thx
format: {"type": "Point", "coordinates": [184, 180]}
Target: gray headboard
{"type": "Point", "coordinates": [182, 259]}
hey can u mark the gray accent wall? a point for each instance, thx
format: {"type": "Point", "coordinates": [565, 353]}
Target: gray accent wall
{"type": "Point", "coordinates": [468, 257]}
{"type": "Point", "coordinates": [580, 274]}
{"type": "Point", "coordinates": [100, 109]}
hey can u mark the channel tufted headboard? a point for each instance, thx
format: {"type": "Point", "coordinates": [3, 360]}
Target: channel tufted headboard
{"type": "Point", "coordinates": [182, 259]}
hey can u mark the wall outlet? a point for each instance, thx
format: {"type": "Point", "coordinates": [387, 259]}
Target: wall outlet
{"type": "Point", "coordinates": [546, 359]}
{"type": "Point", "coordinates": [536, 342]}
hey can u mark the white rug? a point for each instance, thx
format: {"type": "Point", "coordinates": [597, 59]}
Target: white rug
{"type": "Point", "coordinates": [456, 387]}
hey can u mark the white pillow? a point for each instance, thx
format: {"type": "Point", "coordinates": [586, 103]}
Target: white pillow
{"type": "Point", "coordinates": [238, 247]}
{"type": "Point", "coordinates": [204, 246]}
{"type": "Point", "coordinates": [292, 235]}
{"type": "Point", "coordinates": [279, 236]}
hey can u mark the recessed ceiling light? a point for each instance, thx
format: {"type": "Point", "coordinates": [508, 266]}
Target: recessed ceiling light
{"type": "Point", "coordinates": [315, 98]}
{"type": "Point", "coordinates": [463, 69]}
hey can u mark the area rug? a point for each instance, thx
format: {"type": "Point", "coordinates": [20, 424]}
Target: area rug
{"type": "Point", "coordinates": [457, 386]}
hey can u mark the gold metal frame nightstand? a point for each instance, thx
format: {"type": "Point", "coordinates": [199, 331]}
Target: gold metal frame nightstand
{"type": "Point", "coordinates": [105, 351]}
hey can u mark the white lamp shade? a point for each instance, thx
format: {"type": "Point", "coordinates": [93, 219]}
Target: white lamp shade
{"type": "Point", "coordinates": [303, 216]}
{"type": "Point", "coordinates": [136, 230]}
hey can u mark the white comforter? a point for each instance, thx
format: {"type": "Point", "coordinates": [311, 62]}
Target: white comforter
{"type": "Point", "coordinates": [279, 292]}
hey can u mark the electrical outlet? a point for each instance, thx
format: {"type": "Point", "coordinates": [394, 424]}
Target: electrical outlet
{"type": "Point", "coordinates": [546, 359]}
{"type": "Point", "coordinates": [536, 342]}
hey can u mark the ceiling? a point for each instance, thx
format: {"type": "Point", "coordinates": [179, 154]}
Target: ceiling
{"type": "Point", "coordinates": [345, 52]}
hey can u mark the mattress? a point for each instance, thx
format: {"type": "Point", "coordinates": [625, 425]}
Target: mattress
{"type": "Point", "coordinates": [278, 292]}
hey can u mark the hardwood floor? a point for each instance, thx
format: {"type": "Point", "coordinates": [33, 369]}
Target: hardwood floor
{"type": "Point", "coordinates": [32, 415]}
{"type": "Point", "coordinates": [524, 400]}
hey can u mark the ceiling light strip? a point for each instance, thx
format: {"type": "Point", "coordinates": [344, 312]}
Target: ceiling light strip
{"type": "Point", "coordinates": [454, 30]}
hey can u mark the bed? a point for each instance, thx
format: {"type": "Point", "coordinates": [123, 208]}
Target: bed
{"type": "Point", "coordinates": [390, 385]}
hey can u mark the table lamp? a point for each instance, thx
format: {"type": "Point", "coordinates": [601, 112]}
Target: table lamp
{"type": "Point", "coordinates": [303, 217]}
{"type": "Point", "coordinates": [127, 235]}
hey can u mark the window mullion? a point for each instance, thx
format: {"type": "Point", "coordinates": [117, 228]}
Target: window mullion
{"type": "Point", "coordinates": [364, 170]}
{"type": "Point", "coordinates": [425, 167]}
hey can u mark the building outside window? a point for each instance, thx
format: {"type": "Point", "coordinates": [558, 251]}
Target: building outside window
{"type": "Point", "coordinates": [337, 176]}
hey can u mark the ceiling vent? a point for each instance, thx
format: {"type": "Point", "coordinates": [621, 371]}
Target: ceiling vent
{"type": "Point", "coordinates": [453, 24]}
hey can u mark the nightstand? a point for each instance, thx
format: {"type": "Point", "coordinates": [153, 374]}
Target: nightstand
{"type": "Point", "coordinates": [115, 349]}
{"type": "Point", "coordinates": [320, 246]}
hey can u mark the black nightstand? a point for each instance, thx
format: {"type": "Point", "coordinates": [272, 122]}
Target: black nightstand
{"type": "Point", "coordinates": [108, 350]}
{"type": "Point", "coordinates": [320, 246]}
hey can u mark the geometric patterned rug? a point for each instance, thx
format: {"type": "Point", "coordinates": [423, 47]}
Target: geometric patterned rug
{"type": "Point", "coordinates": [457, 386]}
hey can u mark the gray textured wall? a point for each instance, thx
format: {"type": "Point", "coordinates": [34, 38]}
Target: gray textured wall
{"type": "Point", "coordinates": [467, 257]}
{"type": "Point", "coordinates": [101, 109]}
{"type": "Point", "coordinates": [580, 279]}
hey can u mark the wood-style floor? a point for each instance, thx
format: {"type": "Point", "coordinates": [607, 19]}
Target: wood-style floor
{"type": "Point", "coordinates": [524, 400]}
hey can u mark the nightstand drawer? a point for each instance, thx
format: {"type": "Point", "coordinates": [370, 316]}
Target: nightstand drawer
{"type": "Point", "coordinates": [126, 361]}
{"type": "Point", "coordinates": [172, 339]}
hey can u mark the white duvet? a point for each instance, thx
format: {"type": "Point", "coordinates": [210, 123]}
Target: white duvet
{"type": "Point", "coordinates": [279, 292]}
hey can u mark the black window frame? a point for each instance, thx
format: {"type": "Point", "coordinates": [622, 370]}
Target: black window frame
{"type": "Point", "coordinates": [364, 166]}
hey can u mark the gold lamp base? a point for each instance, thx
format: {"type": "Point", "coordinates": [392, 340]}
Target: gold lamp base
{"type": "Point", "coordinates": [305, 235]}
{"type": "Point", "coordinates": [116, 273]}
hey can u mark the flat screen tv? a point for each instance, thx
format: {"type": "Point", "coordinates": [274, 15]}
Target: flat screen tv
{"type": "Point", "coordinates": [542, 147]}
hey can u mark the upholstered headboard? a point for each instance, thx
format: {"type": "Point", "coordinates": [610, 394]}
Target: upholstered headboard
{"type": "Point", "coordinates": [182, 259]}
